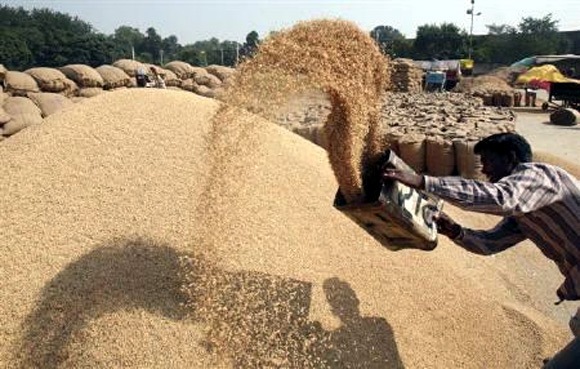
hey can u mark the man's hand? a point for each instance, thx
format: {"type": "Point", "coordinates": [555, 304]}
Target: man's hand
{"type": "Point", "coordinates": [408, 178]}
{"type": "Point", "coordinates": [447, 226]}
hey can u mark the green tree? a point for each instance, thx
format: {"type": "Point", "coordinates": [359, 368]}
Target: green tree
{"type": "Point", "coordinates": [126, 38]}
{"type": "Point", "coordinates": [446, 41]}
{"type": "Point", "coordinates": [152, 45]}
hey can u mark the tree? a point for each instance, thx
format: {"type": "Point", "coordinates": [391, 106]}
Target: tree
{"type": "Point", "coordinates": [440, 42]}
{"type": "Point", "coordinates": [128, 38]}
{"type": "Point", "coordinates": [387, 38]}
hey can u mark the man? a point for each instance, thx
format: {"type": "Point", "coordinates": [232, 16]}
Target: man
{"type": "Point", "coordinates": [539, 202]}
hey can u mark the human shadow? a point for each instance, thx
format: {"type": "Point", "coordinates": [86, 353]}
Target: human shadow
{"type": "Point", "coordinates": [120, 275]}
{"type": "Point", "coordinates": [253, 319]}
{"type": "Point", "coordinates": [361, 342]}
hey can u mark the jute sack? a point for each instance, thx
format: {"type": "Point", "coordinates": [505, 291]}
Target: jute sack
{"type": "Point", "coordinates": [71, 89]}
{"type": "Point", "coordinates": [48, 79]}
{"type": "Point", "coordinates": [220, 71]}
{"type": "Point", "coordinates": [183, 70]}
{"type": "Point", "coordinates": [24, 113]}
{"type": "Point", "coordinates": [4, 117]}
{"type": "Point", "coordinates": [83, 75]}
{"type": "Point", "coordinates": [113, 77]}
{"type": "Point", "coordinates": [128, 66]}
{"type": "Point", "coordinates": [189, 85]}
{"type": "Point", "coordinates": [49, 103]}
{"type": "Point", "coordinates": [19, 83]}
{"type": "Point", "coordinates": [171, 78]}
{"type": "Point", "coordinates": [565, 117]}
{"type": "Point", "coordinates": [204, 91]}
{"type": "Point", "coordinates": [412, 149]}
{"type": "Point", "coordinates": [440, 156]}
{"type": "Point", "coordinates": [468, 164]}
{"type": "Point", "coordinates": [90, 92]}
{"type": "Point", "coordinates": [198, 72]}
{"type": "Point", "coordinates": [208, 80]}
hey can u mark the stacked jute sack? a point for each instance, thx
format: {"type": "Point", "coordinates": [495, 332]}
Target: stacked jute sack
{"type": "Point", "coordinates": [493, 90]}
{"type": "Point", "coordinates": [406, 76]}
{"type": "Point", "coordinates": [433, 133]}
{"type": "Point", "coordinates": [27, 97]}
{"type": "Point", "coordinates": [208, 82]}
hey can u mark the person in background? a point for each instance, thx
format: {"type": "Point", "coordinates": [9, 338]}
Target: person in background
{"type": "Point", "coordinates": [158, 80]}
{"type": "Point", "coordinates": [538, 201]}
{"type": "Point", "coordinates": [141, 77]}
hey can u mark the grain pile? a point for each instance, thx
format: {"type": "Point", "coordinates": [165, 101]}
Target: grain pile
{"type": "Point", "coordinates": [406, 76]}
{"type": "Point", "coordinates": [102, 228]}
{"type": "Point", "coordinates": [342, 61]}
{"type": "Point", "coordinates": [494, 91]}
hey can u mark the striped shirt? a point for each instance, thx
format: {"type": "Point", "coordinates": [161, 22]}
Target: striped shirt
{"type": "Point", "coordinates": [539, 202]}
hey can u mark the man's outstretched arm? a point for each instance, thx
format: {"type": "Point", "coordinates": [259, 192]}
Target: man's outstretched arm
{"type": "Point", "coordinates": [504, 235]}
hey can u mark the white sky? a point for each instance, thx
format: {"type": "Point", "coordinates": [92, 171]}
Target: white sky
{"type": "Point", "coordinates": [194, 20]}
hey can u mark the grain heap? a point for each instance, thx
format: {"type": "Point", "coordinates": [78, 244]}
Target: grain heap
{"type": "Point", "coordinates": [98, 213]}
{"type": "Point", "coordinates": [493, 90]}
{"type": "Point", "coordinates": [406, 76]}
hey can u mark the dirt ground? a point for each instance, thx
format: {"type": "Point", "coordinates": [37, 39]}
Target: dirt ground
{"type": "Point", "coordinates": [561, 141]}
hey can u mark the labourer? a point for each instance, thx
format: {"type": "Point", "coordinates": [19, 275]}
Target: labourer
{"type": "Point", "coordinates": [540, 202]}
{"type": "Point", "coordinates": [158, 81]}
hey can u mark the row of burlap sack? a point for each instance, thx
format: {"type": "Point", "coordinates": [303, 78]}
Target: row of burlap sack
{"type": "Point", "coordinates": [436, 156]}
{"type": "Point", "coordinates": [82, 80]}
{"type": "Point", "coordinates": [406, 76]}
{"type": "Point", "coordinates": [209, 81]}
{"type": "Point", "coordinates": [19, 112]}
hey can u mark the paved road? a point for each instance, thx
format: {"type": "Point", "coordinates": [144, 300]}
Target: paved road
{"type": "Point", "coordinates": [543, 136]}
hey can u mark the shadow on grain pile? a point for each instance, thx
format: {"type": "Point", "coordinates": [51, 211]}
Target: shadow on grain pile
{"type": "Point", "coordinates": [268, 315]}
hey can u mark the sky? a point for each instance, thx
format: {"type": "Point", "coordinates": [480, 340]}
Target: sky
{"type": "Point", "coordinates": [195, 20]}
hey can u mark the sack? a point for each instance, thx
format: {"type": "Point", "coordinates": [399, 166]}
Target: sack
{"type": "Point", "coordinates": [204, 91]}
{"type": "Point", "coordinates": [440, 157]}
{"type": "Point", "coordinates": [189, 85]}
{"type": "Point", "coordinates": [412, 148]}
{"type": "Point", "coordinates": [220, 71]}
{"type": "Point", "coordinates": [170, 78]}
{"type": "Point", "coordinates": [48, 79]}
{"type": "Point", "coordinates": [208, 80]}
{"type": "Point", "coordinates": [182, 69]}
{"type": "Point", "coordinates": [49, 103]}
{"type": "Point", "coordinates": [468, 164]}
{"type": "Point", "coordinates": [83, 75]}
{"type": "Point", "coordinates": [565, 117]}
{"type": "Point", "coordinates": [128, 66]}
{"type": "Point", "coordinates": [90, 92]}
{"type": "Point", "coordinates": [19, 83]}
{"type": "Point", "coordinates": [23, 112]}
{"type": "Point", "coordinates": [113, 77]}
{"type": "Point", "coordinates": [4, 117]}
{"type": "Point", "coordinates": [71, 89]}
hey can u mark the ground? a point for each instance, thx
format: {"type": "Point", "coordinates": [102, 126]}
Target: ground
{"type": "Point", "coordinates": [561, 141]}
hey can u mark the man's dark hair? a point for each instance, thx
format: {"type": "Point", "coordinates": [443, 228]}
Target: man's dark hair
{"type": "Point", "coordinates": [505, 144]}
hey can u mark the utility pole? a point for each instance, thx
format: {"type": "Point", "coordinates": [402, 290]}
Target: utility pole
{"type": "Point", "coordinates": [132, 53]}
{"type": "Point", "coordinates": [237, 53]}
{"type": "Point", "coordinates": [222, 53]}
{"type": "Point", "coordinates": [161, 55]}
{"type": "Point", "coordinates": [472, 13]}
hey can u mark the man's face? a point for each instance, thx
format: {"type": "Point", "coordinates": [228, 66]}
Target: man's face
{"type": "Point", "coordinates": [496, 166]}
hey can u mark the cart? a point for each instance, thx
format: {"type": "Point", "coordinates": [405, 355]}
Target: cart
{"type": "Point", "coordinates": [566, 92]}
